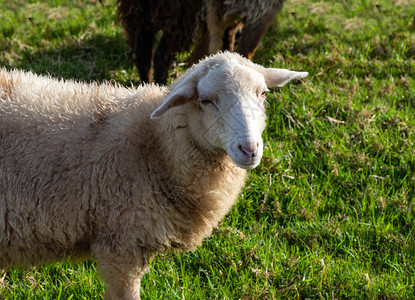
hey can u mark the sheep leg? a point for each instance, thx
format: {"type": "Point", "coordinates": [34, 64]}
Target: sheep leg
{"type": "Point", "coordinates": [122, 275]}
{"type": "Point", "coordinates": [170, 43]}
{"type": "Point", "coordinates": [229, 37]}
{"type": "Point", "coordinates": [164, 57]}
{"type": "Point", "coordinates": [215, 25]}
{"type": "Point", "coordinates": [144, 54]}
{"type": "Point", "coordinates": [252, 36]}
{"type": "Point", "coordinates": [201, 49]}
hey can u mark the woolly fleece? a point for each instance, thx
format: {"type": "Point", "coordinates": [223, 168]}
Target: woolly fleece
{"type": "Point", "coordinates": [85, 172]}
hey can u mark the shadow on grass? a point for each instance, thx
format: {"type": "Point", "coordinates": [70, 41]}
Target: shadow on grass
{"type": "Point", "coordinates": [96, 58]}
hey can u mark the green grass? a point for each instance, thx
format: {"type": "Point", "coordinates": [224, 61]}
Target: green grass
{"type": "Point", "coordinates": [329, 214]}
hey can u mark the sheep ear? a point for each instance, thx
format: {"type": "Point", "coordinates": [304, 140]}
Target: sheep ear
{"type": "Point", "coordinates": [279, 77]}
{"type": "Point", "coordinates": [181, 94]}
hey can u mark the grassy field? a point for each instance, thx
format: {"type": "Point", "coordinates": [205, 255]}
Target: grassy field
{"type": "Point", "coordinates": [329, 214]}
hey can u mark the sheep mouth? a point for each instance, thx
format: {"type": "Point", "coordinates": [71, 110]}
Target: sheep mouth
{"type": "Point", "coordinates": [248, 164]}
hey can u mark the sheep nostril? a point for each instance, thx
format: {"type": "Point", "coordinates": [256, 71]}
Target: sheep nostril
{"type": "Point", "coordinates": [249, 151]}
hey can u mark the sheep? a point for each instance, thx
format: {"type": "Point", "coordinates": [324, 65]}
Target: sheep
{"type": "Point", "coordinates": [142, 20]}
{"type": "Point", "coordinates": [204, 22]}
{"type": "Point", "coordinates": [118, 174]}
{"type": "Point", "coordinates": [222, 19]}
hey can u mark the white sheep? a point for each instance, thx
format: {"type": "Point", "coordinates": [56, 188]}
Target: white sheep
{"type": "Point", "coordinates": [116, 173]}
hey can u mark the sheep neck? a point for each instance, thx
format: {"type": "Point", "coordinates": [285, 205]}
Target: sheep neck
{"type": "Point", "coordinates": [201, 184]}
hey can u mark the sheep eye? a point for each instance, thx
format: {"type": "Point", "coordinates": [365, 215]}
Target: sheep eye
{"type": "Point", "coordinates": [206, 102]}
{"type": "Point", "coordinates": [263, 94]}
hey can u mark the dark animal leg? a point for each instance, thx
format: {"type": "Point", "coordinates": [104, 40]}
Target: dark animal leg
{"type": "Point", "coordinates": [252, 36]}
{"type": "Point", "coordinates": [202, 47]}
{"type": "Point", "coordinates": [171, 42]}
{"type": "Point", "coordinates": [144, 54]}
{"type": "Point", "coordinates": [163, 58]}
{"type": "Point", "coordinates": [229, 37]}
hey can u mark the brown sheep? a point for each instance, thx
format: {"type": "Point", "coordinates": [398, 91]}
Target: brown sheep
{"type": "Point", "coordinates": [215, 20]}
{"type": "Point", "coordinates": [222, 19]}
{"type": "Point", "coordinates": [142, 19]}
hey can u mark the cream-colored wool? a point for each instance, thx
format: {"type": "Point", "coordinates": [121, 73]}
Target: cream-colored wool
{"type": "Point", "coordinates": [86, 172]}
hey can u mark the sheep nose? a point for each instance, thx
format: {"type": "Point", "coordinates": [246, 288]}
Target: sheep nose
{"type": "Point", "coordinates": [250, 151]}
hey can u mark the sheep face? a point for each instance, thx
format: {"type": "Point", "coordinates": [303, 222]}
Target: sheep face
{"type": "Point", "coordinates": [227, 93]}
{"type": "Point", "coordinates": [232, 114]}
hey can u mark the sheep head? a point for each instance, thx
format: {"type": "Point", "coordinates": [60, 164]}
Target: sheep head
{"type": "Point", "coordinates": [227, 93]}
